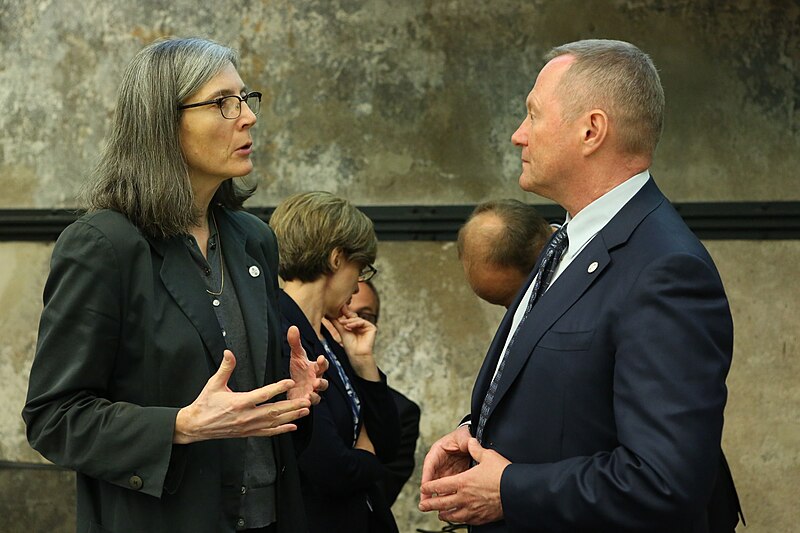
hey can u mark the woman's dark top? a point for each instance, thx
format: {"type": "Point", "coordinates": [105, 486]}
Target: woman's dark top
{"type": "Point", "coordinates": [341, 484]}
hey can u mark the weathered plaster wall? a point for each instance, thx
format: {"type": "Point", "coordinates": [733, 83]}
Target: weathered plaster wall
{"type": "Point", "coordinates": [433, 335]}
{"type": "Point", "coordinates": [762, 423]}
{"type": "Point", "coordinates": [414, 102]}
{"type": "Point", "coordinates": [22, 277]}
{"type": "Point", "coordinates": [407, 102]}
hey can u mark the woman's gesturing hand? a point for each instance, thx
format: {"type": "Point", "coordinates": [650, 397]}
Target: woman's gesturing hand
{"type": "Point", "coordinates": [307, 375]}
{"type": "Point", "coordinates": [220, 413]}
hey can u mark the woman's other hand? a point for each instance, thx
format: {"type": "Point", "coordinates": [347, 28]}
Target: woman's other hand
{"type": "Point", "coordinates": [307, 375]}
{"type": "Point", "coordinates": [363, 442]}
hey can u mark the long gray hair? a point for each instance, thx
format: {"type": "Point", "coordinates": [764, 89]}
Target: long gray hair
{"type": "Point", "coordinates": [142, 172]}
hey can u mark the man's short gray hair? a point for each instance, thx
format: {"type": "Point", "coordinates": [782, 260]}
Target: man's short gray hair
{"type": "Point", "coordinates": [620, 79]}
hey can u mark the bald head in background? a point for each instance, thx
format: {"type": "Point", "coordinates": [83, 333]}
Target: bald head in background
{"type": "Point", "coordinates": [498, 247]}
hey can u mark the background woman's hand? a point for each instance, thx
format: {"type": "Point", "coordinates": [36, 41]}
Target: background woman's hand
{"type": "Point", "coordinates": [363, 442]}
{"type": "Point", "coordinates": [358, 338]}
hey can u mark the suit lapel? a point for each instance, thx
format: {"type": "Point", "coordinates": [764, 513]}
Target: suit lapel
{"type": "Point", "coordinates": [180, 277]}
{"type": "Point", "coordinates": [564, 293]}
{"type": "Point", "coordinates": [493, 354]}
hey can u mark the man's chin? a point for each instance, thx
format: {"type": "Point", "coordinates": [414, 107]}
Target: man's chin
{"type": "Point", "coordinates": [526, 183]}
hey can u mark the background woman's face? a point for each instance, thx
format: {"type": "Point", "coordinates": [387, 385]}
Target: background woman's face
{"type": "Point", "coordinates": [217, 148]}
{"type": "Point", "coordinates": [342, 284]}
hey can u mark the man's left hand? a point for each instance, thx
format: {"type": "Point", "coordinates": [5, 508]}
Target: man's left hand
{"type": "Point", "coordinates": [472, 497]}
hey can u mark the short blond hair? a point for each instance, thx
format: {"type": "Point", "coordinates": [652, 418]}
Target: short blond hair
{"type": "Point", "coordinates": [311, 225]}
{"type": "Point", "coordinates": [620, 79]}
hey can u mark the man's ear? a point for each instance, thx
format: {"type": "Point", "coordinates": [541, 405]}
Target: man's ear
{"type": "Point", "coordinates": [594, 129]}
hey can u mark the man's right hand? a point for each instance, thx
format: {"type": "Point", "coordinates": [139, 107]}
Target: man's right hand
{"type": "Point", "coordinates": [220, 413]}
{"type": "Point", "coordinates": [447, 457]}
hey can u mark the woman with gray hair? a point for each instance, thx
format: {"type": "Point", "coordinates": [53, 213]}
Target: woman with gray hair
{"type": "Point", "coordinates": [135, 384]}
{"type": "Point", "coordinates": [327, 247]}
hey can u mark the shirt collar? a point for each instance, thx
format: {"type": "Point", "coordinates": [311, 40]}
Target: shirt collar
{"type": "Point", "coordinates": [592, 218]}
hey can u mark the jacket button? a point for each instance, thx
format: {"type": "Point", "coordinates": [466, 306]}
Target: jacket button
{"type": "Point", "coordinates": [135, 482]}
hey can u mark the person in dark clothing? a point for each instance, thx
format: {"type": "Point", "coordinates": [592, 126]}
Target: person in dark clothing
{"type": "Point", "coordinates": [327, 246]}
{"type": "Point", "coordinates": [158, 374]}
{"type": "Point", "coordinates": [366, 303]}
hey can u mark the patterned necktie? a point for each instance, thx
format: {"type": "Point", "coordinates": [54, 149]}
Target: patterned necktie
{"type": "Point", "coordinates": [552, 257]}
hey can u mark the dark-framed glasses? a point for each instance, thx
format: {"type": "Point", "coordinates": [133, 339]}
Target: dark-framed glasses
{"type": "Point", "coordinates": [231, 106]}
{"type": "Point", "coordinates": [368, 316]}
{"type": "Point", "coordinates": [367, 273]}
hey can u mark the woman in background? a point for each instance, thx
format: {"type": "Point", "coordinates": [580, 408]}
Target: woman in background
{"type": "Point", "coordinates": [327, 246]}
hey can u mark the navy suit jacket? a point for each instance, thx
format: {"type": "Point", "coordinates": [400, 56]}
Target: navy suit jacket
{"type": "Point", "coordinates": [610, 405]}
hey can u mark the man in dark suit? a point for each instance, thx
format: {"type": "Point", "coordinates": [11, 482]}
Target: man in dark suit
{"type": "Point", "coordinates": [366, 303]}
{"type": "Point", "coordinates": [599, 406]}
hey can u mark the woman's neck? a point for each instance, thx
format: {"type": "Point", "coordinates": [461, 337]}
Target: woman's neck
{"type": "Point", "coordinates": [203, 191]}
{"type": "Point", "coordinates": [203, 194]}
{"type": "Point", "coordinates": [310, 298]}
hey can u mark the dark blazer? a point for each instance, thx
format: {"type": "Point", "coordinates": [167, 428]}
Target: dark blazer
{"type": "Point", "coordinates": [399, 469]}
{"type": "Point", "coordinates": [337, 479]}
{"type": "Point", "coordinates": [127, 337]}
{"type": "Point", "coordinates": [610, 405]}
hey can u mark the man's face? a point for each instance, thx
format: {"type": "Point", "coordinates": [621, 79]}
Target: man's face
{"type": "Point", "coordinates": [364, 303]}
{"type": "Point", "coordinates": [543, 137]}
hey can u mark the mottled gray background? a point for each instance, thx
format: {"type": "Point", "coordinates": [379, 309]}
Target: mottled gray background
{"type": "Point", "coordinates": [414, 102]}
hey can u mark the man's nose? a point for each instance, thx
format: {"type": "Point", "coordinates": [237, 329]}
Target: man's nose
{"type": "Point", "coordinates": [520, 137]}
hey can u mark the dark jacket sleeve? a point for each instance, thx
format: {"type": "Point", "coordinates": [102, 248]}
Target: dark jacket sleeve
{"type": "Point", "coordinates": [71, 416]}
{"type": "Point", "coordinates": [330, 462]}
{"type": "Point", "coordinates": [399, 469]}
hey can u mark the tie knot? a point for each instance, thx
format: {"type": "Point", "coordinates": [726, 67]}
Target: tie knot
{"type": "Point", "coordinates": [560, 241]}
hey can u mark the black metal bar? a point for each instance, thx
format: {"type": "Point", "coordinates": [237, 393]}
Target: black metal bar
{"type": "Point", "coordinates": [709, 220]}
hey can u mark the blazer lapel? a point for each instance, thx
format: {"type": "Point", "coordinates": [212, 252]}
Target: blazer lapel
{"type": "Point", "coordinates": [567, 289]}
{"type": "Point", "coordinates": [179, 275]}
{"type": "Point", "coordinates": [493, 354]}
{"type": "Point", "coordinates": [249, 279]}
{"type": "Point", "coordinates": [564, 292]}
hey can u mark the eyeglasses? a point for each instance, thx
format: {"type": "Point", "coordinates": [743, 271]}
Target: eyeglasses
{"type": "Point", "coordinates": [367, 273]}
{"type": "Point", "coordinates": [231, 106]}
{"type": "Point", "coordinates": [369, 317]}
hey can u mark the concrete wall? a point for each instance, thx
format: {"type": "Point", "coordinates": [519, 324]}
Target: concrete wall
{"type": "Point", "coordinates": [414, 102]}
